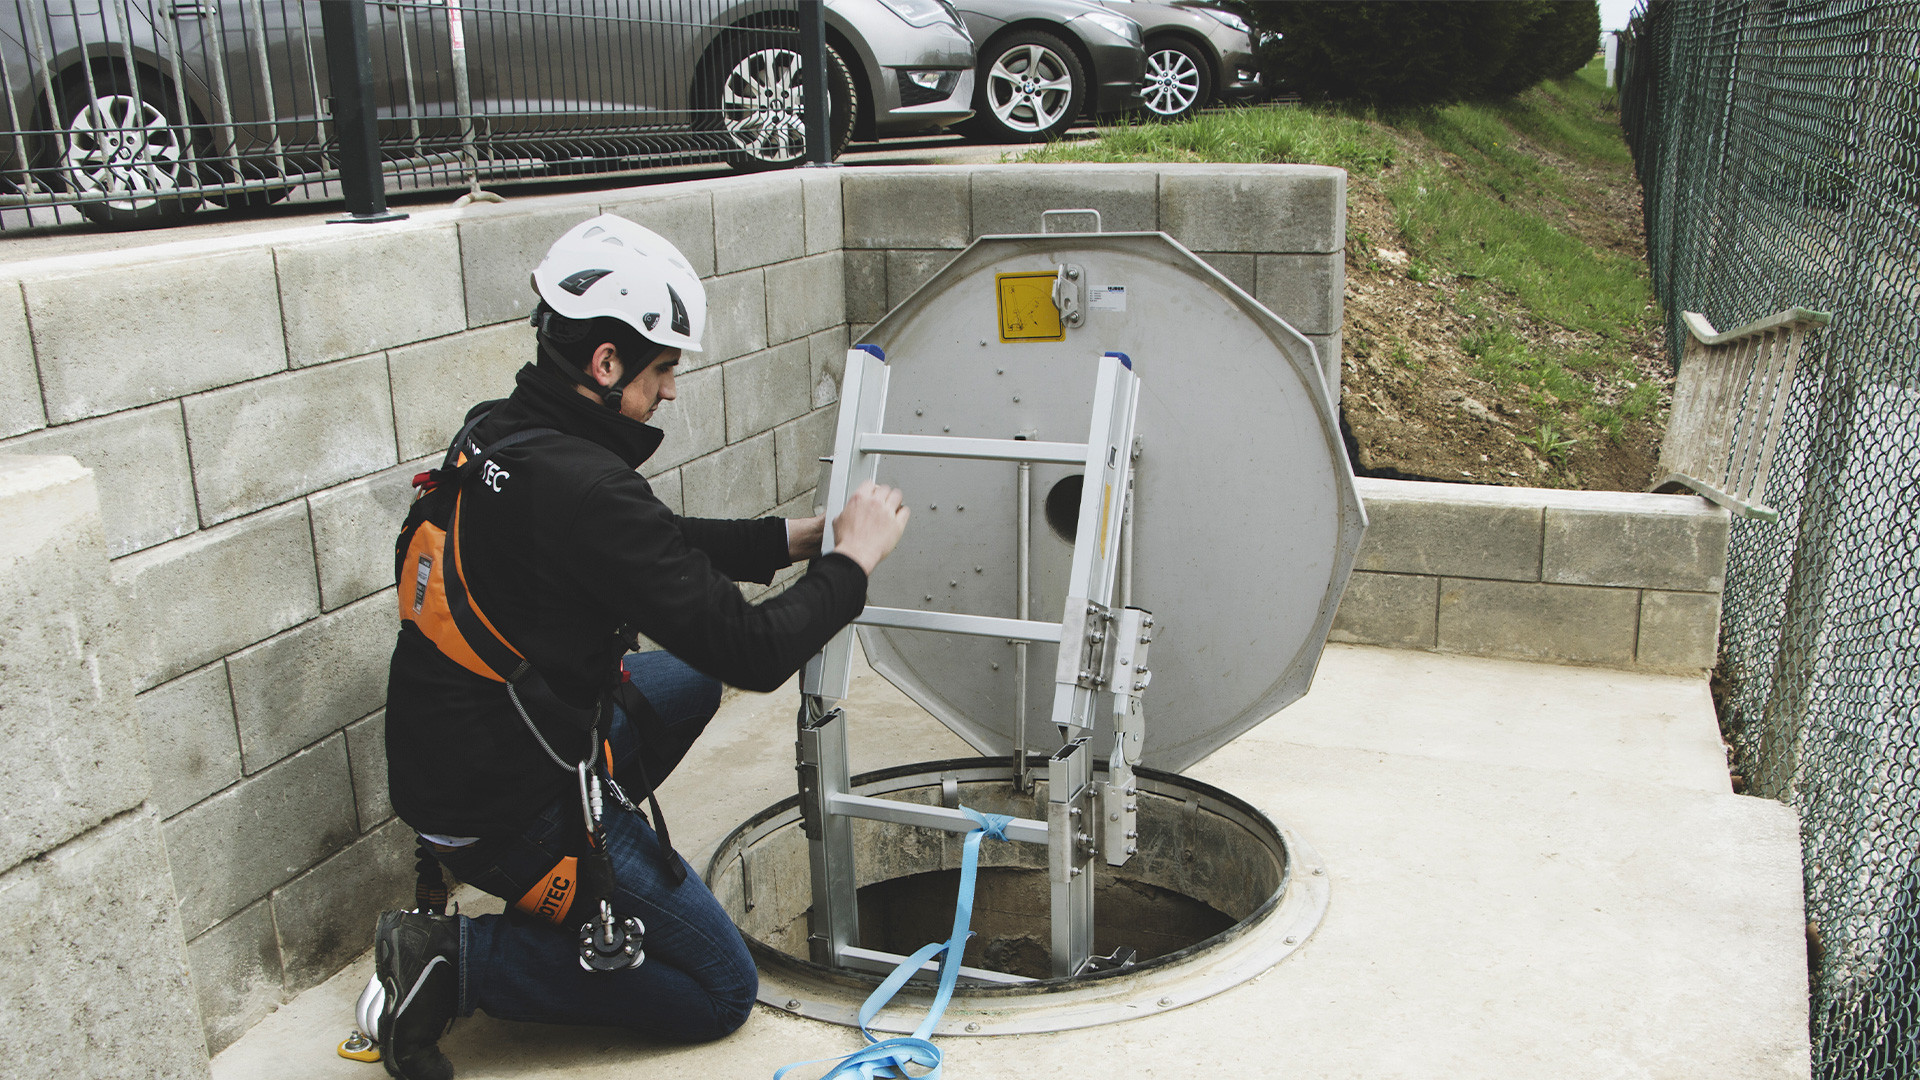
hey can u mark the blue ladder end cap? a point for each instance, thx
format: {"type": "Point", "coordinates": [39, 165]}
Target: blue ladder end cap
{"type": "Point", "coordinates": [873, 350]}
{"type": "Point", "coordinates": [1124, 359]}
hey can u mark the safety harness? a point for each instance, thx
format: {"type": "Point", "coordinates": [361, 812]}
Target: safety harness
{"type": "Point", "coordinates": [435, 599]}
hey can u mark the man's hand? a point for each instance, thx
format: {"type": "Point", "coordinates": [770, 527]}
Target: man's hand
{"type": "Point", "coordinates": [804, 536]}
{"type": "Point", "coordinates": [870, 525]}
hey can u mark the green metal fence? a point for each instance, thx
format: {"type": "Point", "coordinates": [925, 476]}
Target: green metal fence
{"type": "Point", "coordinates": [1779, 145]}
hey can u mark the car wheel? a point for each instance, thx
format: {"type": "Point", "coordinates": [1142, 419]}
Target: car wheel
{"type": "Point", "coordinates": [1179, 80]}
{"type": "Point", "coordinates": [761, 107]}
{"type": "Point", "coordinates": [1030, 87]}
{"type": "Point", "coordinates": [123, 149]}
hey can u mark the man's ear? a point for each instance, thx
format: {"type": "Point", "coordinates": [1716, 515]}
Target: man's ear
{"type": "Point", "coordinates": [604, 367]}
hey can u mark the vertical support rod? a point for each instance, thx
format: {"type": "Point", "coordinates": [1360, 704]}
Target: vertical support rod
{"type": "Point", "coordinates": [834, 922]}
{"type": "Point", "coordinates": [813, 81]}
{"type": "Point", "coordinates": [350, 77]}
{"type": "Point", "coordinates": [1022, 775]}
{"type": "Point", "coordinates": [1069, 856]}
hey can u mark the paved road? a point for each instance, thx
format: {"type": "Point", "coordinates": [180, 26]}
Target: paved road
{"type": "Point", "coordinates": [72, 234]}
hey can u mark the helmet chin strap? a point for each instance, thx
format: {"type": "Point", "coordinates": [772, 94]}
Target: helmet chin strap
{"type": "Point", "coordinates": [609, 395]}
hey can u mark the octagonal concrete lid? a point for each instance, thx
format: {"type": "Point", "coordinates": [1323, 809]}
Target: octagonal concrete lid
{"type": "Point", "coordinates": [1246, 524]}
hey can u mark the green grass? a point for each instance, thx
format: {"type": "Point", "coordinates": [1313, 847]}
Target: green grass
{"type": "Point", "coordinates": [1490, 216]}
{"type": "Point", "coordinates": [1252, 136]}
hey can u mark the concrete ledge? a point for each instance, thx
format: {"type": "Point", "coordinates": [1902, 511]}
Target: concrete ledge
{"type": "Point", "coordinates": [1623, 580]}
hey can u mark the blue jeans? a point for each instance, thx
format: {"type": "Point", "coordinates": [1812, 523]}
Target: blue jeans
{"type": "Point", "coordinates": [697, 983]}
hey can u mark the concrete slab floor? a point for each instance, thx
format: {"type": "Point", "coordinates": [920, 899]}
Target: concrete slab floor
{"type": "Point", "coordinates": [1537, 871]}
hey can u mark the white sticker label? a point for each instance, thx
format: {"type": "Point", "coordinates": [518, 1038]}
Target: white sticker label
{"type": "Point", "coordinates": [1107, 298]}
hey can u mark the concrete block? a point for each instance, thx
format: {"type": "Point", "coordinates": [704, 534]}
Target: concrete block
{"type": "Point", "coordinates": [757, 220]}
{"type": "Point", "coordinates": [826, 224]}
{"type": "Point", "coordinates": [354, 526]}
{"type": "Point", "coordinates": [1534, 621]}
{"type": "Point", "coordinates": [359, 292]}
{"type": "Point", "coordinates": [67, 731]}
{"type": "Point", "coordinates": [907, 208]}
{"type": "Point", "coordinates": [1259, 208]}
{"type": "Point", "coordinates": [279, 438]}
{"type": "Point", "coordinates": [115, 338]}
{"type": "Point", "coordinates": [1305, 290]}
{"type": "Point", "coordinates": [666, 487]}
{"type": "Point", "coordinates": [241, 844]}
{"type": "Point", "coordinates": [767, 389]}
{"type": "Point", "coordinates": [236, 968]}
{"type": "Point", "coordinates": [96, 982]}
{"type": "Point", "coordinates": [1648, 541]}
{"type": "Point", "coordinates": [908, 270]}
{"type": "Point", "coordinates": [805, 504]}
{"type": "Point", "coordinates": [140, 466]}
{"type": "Point", "coordinates": [326, 915]}
{"type": "Point", "coordinates": [298, 687]}
{"type": "Point", "coordinates": [499, 247]}
{"type": "Point", "coordinates": [1388, 609]}
{"type": "Point", "coordinates": [866, 285]}
{"type": "Point", "coordinates": [192, 747]}
{"type": "Point", "coordinates": [798, 448]}
{"type": "Point", "coordinates": [737, 482]}
{"type": "Point", "coordinates": [736, 319]}
{"type": "Point", "coordinates": [435, 382]}
{"type": "Point", "coordinates": [1237, 267]}
{"type": "Point", "coordinates": [695, 421]}
{"type": "Point", "coordinates": [805, 296]}
{"type": "Point", "coordinates": [20, 406]}
{"type": "Point", "coordinates": [367, 758]}
{"type": "Point", "coordinates": [683, 213]}
{"type": "Point", "coordinates": [1453, 530]}
{"type": "Point", "coordinates": [827, 360]}
{"type": "Point", "coordinates": [193, 600]}
{"type": "Point", "coordinates": [1679, 631]}
{"type": "Point", "coordinates": [1010, 199]}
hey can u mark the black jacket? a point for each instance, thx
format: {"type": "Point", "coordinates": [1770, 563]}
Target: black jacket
{"type": "Point", "coordinates": [572, 545]}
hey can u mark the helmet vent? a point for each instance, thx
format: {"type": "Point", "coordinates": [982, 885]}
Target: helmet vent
{"type": "Point", "coordinates": [681, 324]}
{"type": "Point", "coordinates": [579, 282]}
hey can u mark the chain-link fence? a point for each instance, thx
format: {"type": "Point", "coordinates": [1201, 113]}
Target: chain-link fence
{"type": "Point", "coordinates": [136, 112]}
{"type": "Point", "coordinates": [1779, 145]}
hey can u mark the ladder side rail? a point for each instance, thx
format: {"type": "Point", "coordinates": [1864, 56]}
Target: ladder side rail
{"type": "Point", "coordinates": [863, 407]}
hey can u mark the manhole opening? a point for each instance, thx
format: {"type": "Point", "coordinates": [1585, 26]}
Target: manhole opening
{"type": "Point", "coordinates": [1010, 924]}
{"type": "Point", "coordinates": [1197, 901]}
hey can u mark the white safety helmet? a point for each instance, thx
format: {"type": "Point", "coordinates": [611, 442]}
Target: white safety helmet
{"type": "Point", "coordinates": [608, 267]}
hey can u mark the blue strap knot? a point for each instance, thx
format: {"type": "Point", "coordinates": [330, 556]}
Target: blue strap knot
{"type": "Point", "coordinates": [890, 1057]}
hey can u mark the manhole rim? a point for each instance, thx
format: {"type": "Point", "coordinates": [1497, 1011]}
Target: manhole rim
{"type": "Point", "coordinates": [1281, 924]}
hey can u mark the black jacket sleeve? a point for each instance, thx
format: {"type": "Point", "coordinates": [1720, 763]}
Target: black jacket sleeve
{"type": "Point", "coordinates": [673, 593]}
{"type": "Point", "coordinates": [751, 550]}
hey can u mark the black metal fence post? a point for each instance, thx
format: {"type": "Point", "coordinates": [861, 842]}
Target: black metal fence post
{"type": "Point", "coordinates": [813, 81]}
{"type": "Point", "coordinates": [350, 78]}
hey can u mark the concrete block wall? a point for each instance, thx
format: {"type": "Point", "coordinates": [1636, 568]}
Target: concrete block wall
{"type": "Point", "coordinates": [93, 964]}
{"type": "Point", "coordinates": [1607, 578]}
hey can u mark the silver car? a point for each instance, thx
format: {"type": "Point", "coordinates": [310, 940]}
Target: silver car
{"type": "Point", "coordinates": [1045, 64]}
{"type": "Point", "coordinates": [1196, 55]}
{"type": "Point", "coordinates": [137, 111]}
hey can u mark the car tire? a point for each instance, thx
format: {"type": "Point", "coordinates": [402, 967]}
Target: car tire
{"type": "Point", "coordinates": [1179, 80]}
{"type": "Point", "coordinates": [1029, 87]}
{"type": "Point", "coordinates": [115, 138]}
{"type": "Point", "coordinates": [758, 106]}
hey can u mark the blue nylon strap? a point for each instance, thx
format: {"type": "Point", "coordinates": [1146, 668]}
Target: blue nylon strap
{"type": "Point", "coordinates": [890, 1057]}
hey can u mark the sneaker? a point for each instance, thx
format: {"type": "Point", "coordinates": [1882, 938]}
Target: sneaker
{"type": "Point", "coordinates": [417, 960]}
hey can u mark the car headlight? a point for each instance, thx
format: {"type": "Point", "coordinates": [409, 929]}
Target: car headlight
{"type": "Point", "coordinates": [1118, 25]}
{"type": "Point", "coordinates": [919, 12]}
{"type": "Point", "coordinates": [1229, 20]}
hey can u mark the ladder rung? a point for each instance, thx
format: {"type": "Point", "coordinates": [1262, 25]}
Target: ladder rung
{"type": "Point", "coordinates": [883, 963]}
{"type": "Point", "coordinates": [1023, 830]}
{"type": "Point", "coordinates": [947, 446]}
{"type": "Point", "coordinates": [948, 622]}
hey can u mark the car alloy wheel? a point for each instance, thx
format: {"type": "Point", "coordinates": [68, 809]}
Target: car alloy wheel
{"type": "Point", "coordinates": [762, 105]}
{"type": "Point", "coordinates": [1033, 88]}
{"type": "Point", "coordinates": [1177, 82]}
{"type": "Point", "coordinates": [122, 153]}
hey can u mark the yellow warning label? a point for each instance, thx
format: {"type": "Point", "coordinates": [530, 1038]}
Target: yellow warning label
{"type": "Point", "coordinates": [1026, 308]}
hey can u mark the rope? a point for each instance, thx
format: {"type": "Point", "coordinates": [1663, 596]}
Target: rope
{"type": "Point", "coordinates": [890, 1057]}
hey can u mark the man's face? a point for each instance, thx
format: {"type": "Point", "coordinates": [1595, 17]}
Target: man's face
{"type": "Point", "coordinates": [651, 387]}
